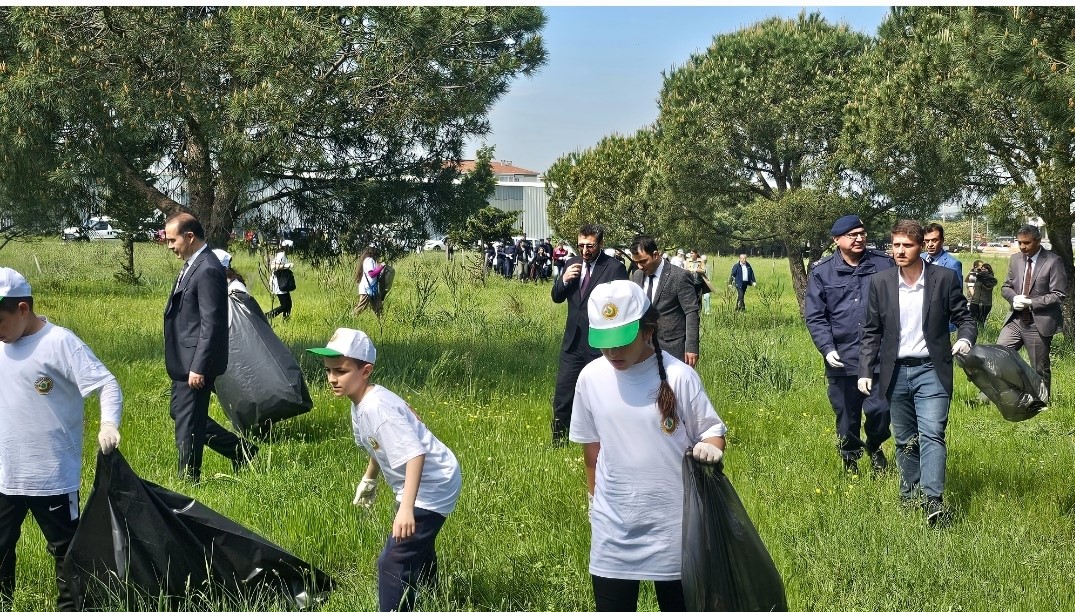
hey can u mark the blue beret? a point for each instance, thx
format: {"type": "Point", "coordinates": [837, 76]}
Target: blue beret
{"type": "Point", "coordinates": [846, 224]}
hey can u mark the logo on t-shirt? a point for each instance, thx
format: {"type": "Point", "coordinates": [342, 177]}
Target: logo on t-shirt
{"type": "Point", "coordinates": [668, 426]}
{"type": "Point", "coordinates": [373, 443]}
{"type": "Point", "coordinates": [43, 385]}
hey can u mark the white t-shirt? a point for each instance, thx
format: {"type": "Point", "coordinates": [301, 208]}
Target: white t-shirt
{"type": "Point", "coordinates": [45, 377]}
{"type": "Point", "coordinates": [391, 433]}
{"type": "Point", "coordinates": [368, 264]}
{"type": "Point", "coordinates": [637, 515]}
{"type": "Point", "coordinates": [278, 263]}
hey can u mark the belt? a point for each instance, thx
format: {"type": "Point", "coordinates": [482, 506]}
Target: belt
{"type": "Point", "coordinates": [913, 361]}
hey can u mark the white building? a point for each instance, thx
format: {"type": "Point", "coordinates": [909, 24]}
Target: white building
{"type": "Point", "coordinates": [519, 189]}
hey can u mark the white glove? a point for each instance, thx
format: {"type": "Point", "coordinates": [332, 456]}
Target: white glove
{"type": "Point", "coordinates": [961, 347]}
{"type": "Point", "coordinates": [707, 453]}
{"type": "Point", "coordinates": [1020, 302]}
{"type": "Point", "coordinates": [365, 493]}
{"type": "Point", "coordinates": [865, 385]}
{"type": "Point", "coordinates": [833, 359]}
{"type": "Point", "coordinates": [108, 437]}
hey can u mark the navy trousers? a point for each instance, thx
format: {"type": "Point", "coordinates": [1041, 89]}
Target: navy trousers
{"type": "Point", "coordinates": [404, 566]}
{"type": "Point", "coordinates": [194, 429]}
{"type": "Point", "coordinates": [850, 404]}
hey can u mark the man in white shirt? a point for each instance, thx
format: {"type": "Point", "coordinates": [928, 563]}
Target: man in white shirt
{"type": "Point", "coordinates": [907, 329]}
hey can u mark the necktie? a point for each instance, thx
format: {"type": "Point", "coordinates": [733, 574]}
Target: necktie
{"type": "Point", "coordinates": [182, 273]}
{"type": "Point", "coordinates": [1026, 316]}
{"type": "Point", "coordinates": [652, 282]}
{"type": "Point", "coordinates": [585, 276]}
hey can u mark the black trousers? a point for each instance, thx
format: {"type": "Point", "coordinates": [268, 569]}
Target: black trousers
{"type": "Point", "coordinates": [740, 301]}
{"type": "Point", "coordinates": [194, 429]}
{"type": "Point", "coordinates": [571, 363]}
{"type": "Point", "coordinates": [618, 595]}
{"type": "Point", "coordinates": [284, 308]}
{"type": "Point", "coordinates": [57, 516]}
{"type": "Point", "coordinates": [980, 313]}
{"type": "Point", "coordinates": [404, 567]}
{"type": "Point", "coordinates": [849, 405]}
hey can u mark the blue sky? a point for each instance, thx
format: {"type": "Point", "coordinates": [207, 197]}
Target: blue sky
{"type": "Point", "coordinates": [603, 72]}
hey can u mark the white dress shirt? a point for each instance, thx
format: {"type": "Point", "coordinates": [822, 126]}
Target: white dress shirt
{"type": "Point", "coordinates": [655, 281]}
{"type": "Point", "coordinates": [912, 337]}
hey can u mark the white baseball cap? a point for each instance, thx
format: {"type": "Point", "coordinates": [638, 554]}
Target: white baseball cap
{"type": "Point", "coordinates": [614, 310]}
{"type": "Point", "coordinates": [347, 342]}
{"type": "Point", "coordinates": [223, 256]}
{"type": "Point", "coordinates": [13, 284]}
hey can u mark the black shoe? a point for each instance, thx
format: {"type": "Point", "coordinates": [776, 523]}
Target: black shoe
{"type": "Point", "coordinates": [878, 462]}
{"type": "Point", "coordinates": [851, 465]}
{"type": "Point", "coordinates": [937, 514]}
{"type": "Point", "coordinates": [246, 453]}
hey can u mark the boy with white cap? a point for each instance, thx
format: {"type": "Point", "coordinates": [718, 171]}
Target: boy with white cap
{"type": "Point", "coordinates": [46, 371]}
{"type": "Point", "coordinates": [636, 412]}
{"type": "Point", "coordinates": [420, 469]}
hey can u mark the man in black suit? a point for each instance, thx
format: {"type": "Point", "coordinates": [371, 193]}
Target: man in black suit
{"type": "Point", "coordinates": [672, 293]}
{"type": "Point", "coordinates": [196, 348]}
{"type": "Point", "coordinates": [907, 328]}
{"type": "Point", "coordinates": [580, 276]}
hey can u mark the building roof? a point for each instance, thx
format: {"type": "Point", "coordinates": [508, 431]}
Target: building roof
{"type": "Point", "coordinates": [467, 165]}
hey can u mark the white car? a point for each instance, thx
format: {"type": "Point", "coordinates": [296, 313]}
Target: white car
{"type": "Point", "coordinates": [97, 228]}
{"type": "Point", "coordinates": [433, 244]}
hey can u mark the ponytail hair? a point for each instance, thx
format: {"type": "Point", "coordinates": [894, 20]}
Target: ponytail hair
{"type": "Point", "coordinates": [666, 398]}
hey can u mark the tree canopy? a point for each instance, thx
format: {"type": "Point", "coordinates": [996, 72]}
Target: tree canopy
{"type": "Point", "coordinates": [977, 100]}
{"type": "Point", "coordinates": [750, 132]}
{"type": "Point", "coordinates": [339, 117]}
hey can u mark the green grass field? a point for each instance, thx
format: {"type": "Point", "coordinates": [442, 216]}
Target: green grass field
{"type": "Point", "coordinates": [478, 362]}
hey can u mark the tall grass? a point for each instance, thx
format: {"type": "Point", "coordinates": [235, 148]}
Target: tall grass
{"type": "Point", "coordinates": [478, 360]}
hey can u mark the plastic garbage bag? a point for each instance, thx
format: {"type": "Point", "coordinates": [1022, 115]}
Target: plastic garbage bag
{"type": "Point", "coordinates": [263, 383]}
{"type": "Point", "coordinates": [137, 540]}
{"type": "Point", "coordinates": [726, 567]}
{"type": "Point", "coordinates": [1008, 381]}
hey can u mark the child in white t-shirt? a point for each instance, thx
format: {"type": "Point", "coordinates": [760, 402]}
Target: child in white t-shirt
{"type": "Point", "coordinates": [637, 411]}
{"type": "Point", "coordinates": [420, 469]}
{"type": "Point", "coordinates": [45, 373]}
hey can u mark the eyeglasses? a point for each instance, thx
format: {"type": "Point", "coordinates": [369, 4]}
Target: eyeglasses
{"type": "Point", "coordinates": [583, 246]}
{"type": "Point", "coordinates": [853, 236]}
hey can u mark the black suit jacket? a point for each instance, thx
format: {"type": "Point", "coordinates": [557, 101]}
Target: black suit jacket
{"type": "Point", "coordinates": [196, 321]}
{"type": "Point", "coordinates": [942, 302]}
{"type": "Point", "coordinates": [677, 305]}
{"type": "Point", "coordinates": [577, 328]}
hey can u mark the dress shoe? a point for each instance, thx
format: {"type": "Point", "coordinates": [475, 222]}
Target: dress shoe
{"type": "Point", "coordinates": [878, 462]}
{"type": "Point", "coordinates": [851, 465]}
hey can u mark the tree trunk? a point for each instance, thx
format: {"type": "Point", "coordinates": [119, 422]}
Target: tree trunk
{"type": "Point", "coordinates": [796, 255]}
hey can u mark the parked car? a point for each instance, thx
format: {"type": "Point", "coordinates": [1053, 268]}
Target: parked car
{"type": "Point", "coordinates": [433, 244]}
{"type": "Point", "coordinates": [96, 228]}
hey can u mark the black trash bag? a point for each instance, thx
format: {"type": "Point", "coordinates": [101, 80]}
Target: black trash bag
{"type": "Point", "coordinates": [726, 567]}
{"type": "Point", "coordinates": [1008, 381]}
{"type": "Point", "coordinates": [250, 303]}
{"type": "Point", "coordinates": [139, 542]}
{"type": "Point", "coordinates": [263, 383]}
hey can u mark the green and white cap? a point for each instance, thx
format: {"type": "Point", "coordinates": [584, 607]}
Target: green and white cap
{"type": "Point", "coordinates": [13, 284]}
{"type": "Point", "coordinates": [348, 342]}
{"type": "Point", "coordinates": [614, 310]}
